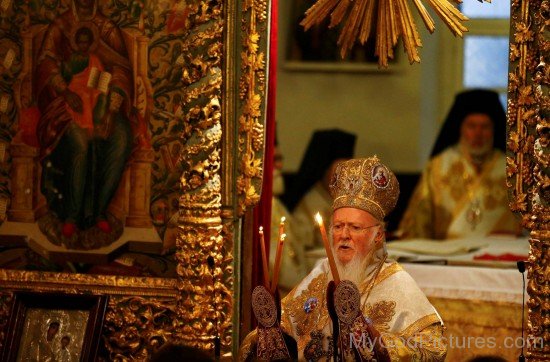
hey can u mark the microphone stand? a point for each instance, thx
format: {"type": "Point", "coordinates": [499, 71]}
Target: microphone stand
{"type": "Point", "coordinates": [335, 338]}
{"type": "Point", "coordinates": [334, 317]}
{"type": "Point", "coordinates": [217, 341]}
{"type": "Point", "coordinates": [521, 268]}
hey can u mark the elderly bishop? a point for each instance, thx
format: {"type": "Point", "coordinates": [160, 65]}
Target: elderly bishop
{"type": "Point", "coordinates": [376, 312]}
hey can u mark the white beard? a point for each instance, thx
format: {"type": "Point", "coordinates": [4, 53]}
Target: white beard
{"type": "Point", "coordinates": [356, 269]}
{"type": "Point", "coordinates": [477, 152]}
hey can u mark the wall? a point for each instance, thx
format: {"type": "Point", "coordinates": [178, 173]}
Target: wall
{"type": "Point", "coordinates": [395, 113]}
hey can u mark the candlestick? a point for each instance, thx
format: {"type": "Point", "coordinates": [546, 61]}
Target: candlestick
{"type": "Point", "coordinates": [265, 265]}
{"type": "Point", "coordinates": [278, 255]}
{"type": "Point", "coordinates": [277, 268]}
{"type": "Point", "coordinates": [331, 261]}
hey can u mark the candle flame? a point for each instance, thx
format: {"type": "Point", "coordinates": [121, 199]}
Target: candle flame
{"type": "Point", "coordinates": [261, 229]}
{"type": "Point", "coordinates": [318, 218]}
{"type": "Point", "coordinates": [283, 219]}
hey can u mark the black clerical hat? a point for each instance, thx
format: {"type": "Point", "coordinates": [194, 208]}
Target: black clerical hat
{"type": "Point", "coordinates": [468, 102]}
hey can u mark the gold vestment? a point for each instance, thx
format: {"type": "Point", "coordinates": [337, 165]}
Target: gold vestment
{"type": "Point", "coordinates": [410, 327]}
{"type": "Point", "coordinates": [452, 200]}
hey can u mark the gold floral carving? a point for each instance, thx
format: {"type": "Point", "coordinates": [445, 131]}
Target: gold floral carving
{"type": "Point", "coordinates": [252, 90]}
{"type": "Point", "coordinates": [528, 153]}
{"type": "Point", "coordinates": [205, 259]}
{"type": "Point", "coordinates": [135, 326]}
{"type": "Point", "coordinates": [201, 299]}
{"type": "Point", "coordinates": [82, 283]}
{"type": "Point", "coordinates": [152, 300]}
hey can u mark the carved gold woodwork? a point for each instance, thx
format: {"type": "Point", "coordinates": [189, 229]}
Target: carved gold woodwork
{"type": "Point", "coordinates": [83, 283]}
{"type": "Point", "coordinates": [134, 326]}
{"type": "Point", "coordinates": [205, 263]}
{"type": "Point", "coordinates": [140, 313]}
{"type": "Point", "coordinates": [528, 172]}
{"type": "Point", "coordinates": [252, 87]}
{"type": "Point", "coordinates": [143, 313]}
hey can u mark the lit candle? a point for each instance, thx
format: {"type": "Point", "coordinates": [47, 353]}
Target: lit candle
{"type": "Point", "coordinates": [278, 255]}
{"type": "Point", "coordinates": [282, 227]}
{"type": "Point", "coordinates": [331, 261]}
{"type": "Point", "coordinates": [265, 265]}
{"type": "Point", "coordinates": [277, 263]}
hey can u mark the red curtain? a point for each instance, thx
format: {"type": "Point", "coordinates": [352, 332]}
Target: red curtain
{"type": "Point", "coordinates": [262, 212]}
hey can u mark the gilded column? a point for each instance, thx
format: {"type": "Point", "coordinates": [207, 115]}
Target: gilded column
{"type": "Point", "coordinates": [205, 304]}
{"type": "Point", "coordinates": [205, 268]}
{"type": "Point", "coordinates": [528, 161]}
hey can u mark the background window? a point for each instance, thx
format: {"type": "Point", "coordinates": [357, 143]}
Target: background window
{"type": "Point", "coordinates": [498, 9]}
{"type": "Point", "coordinates": [485, 61]}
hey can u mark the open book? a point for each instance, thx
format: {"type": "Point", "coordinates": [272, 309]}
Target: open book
{"type": "Point", "coordinates": [99, 80]}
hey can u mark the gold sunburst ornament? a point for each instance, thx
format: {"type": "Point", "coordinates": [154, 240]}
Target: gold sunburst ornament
{"type": "Point", "coordinates": [389, 20]}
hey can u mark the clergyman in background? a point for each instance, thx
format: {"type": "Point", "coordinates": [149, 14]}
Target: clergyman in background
{"type": "Point", "coordinates": [462, 191]}
{"type": "Point", "coordinates": [309, 192]}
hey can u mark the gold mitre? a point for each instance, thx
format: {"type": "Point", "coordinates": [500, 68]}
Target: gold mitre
{"type": "Point", "coordinates": [365, 184]}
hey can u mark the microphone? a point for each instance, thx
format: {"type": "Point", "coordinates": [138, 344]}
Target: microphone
{"type": "Point", "coordinates": [217, 342]}
{"type": "Point", "coordinates": [521, 268]}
